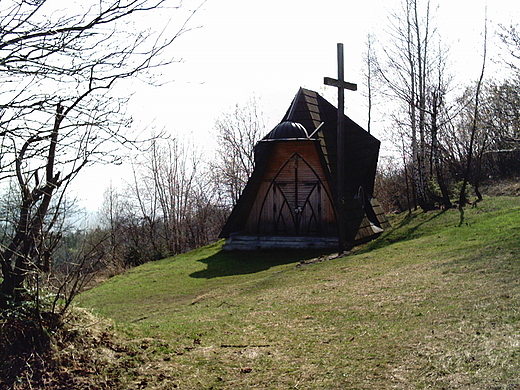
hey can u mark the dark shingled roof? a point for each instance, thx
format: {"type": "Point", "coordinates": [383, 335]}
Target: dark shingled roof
{"type": "Point", "coordinates": [310, 109]}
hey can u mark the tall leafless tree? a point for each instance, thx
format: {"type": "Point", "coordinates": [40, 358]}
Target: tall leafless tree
{"type": "Point", "coordinates": [408, 75]}
{"type": "Point", "coordinates": [371, 68]}
{"type": "Point", "coordinates": [58, 109]}
{"type": "Point", "coordinates": [237, 133]}
{"type": "Point", "coordinates": [175, 198]}
{"type": "Point", "coordinates": [474, 129]}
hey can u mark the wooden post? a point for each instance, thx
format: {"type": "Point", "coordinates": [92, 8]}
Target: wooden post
{"type": "Point", "coordinates": [341, 177]}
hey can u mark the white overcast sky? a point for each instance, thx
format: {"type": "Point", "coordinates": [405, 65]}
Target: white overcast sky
{"type": "Point", "coordinates": [269, 48]}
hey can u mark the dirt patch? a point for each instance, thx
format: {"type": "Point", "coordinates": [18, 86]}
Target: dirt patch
{"type": "Point", "coordinates": [79, 351]}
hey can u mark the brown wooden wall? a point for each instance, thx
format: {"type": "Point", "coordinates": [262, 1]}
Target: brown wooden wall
{"type": "Point", "coordinates": [294, 197]}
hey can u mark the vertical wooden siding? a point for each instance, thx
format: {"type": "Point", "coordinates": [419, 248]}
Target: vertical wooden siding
{"type": "Point", "coordinates": [294, 197]}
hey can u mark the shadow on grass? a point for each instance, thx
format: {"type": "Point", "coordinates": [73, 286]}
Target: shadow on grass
{"type": "Point", "coordinates": [225, 263]}
{"type": "Point", "coordinates": [404, 231]}
{"type": "Point", "coordinates": [434, 215]}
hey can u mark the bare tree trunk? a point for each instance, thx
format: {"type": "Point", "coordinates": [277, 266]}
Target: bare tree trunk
{"type": "Point", "coordinates": [24, 253]}
{"type": "Point", "coordinates": [411, 65]}
{"type": "Point", "coordinates": [55, 65]}
{"type": "Point", "coordinates": [436, 158]}
{"type": "Point", "coordinates": [406, 178]}
{"type": "Point", "coordinates": [469, 158]}
{"type": "Point", "coordinates": [371, 65]}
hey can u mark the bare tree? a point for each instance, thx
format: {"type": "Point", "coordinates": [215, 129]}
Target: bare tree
{"type": "Point", "coordinates": [77, 268]}
{"type": "Point", "coordinates": [440, 119]}
{"type": "Point", "coordinates": [502, 100]}
{"type": "Point", "coordinates": [391, 186]}
{"type": "Point", "coordinates": [58, 112]}
{"type": "Point", "coordinates": [474, 128]}
{"type": "Point", "coordinates": [510, 36]}
{"type": "Point", "coordinates": [409, 77]}
{"type": "Point", "coordinates": [175, 198]}
{"type": "Point", "coordinates": [113, 221]}
{"type": "Point", "coordinates": [371, 69]}
{"type": "Point", "coordinates": [171, 206]}
{"type": "Point", "coordinates": [237, 133]}
{"type": "Point", "coordinates": [502, 117]}
{"type": "Point", "coordinates": [170, 174]}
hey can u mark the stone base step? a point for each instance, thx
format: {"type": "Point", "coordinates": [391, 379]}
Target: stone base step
{"type": "Point", "coordinates": [249, 242]}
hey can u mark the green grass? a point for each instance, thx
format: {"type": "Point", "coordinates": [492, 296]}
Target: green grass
{"type": "Point", "coordinates": [427, 305]}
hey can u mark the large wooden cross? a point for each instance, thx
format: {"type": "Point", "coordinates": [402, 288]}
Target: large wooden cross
{"type": "Point", "coordinates": [341, 84]}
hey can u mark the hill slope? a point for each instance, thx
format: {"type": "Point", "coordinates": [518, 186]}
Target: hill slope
{"type": "Point", "coordinates": [428, 305]}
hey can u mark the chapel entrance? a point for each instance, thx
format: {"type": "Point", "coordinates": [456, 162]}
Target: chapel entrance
{"type": "Point", "coordinates": [296, 198]}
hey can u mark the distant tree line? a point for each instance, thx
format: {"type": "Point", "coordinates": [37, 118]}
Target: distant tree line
{"type": "Point", "coordinates": [496, 152]}
{"type": "Point", "coordinates": [177, 199]}
{"type": "Point", "coordinates": [172, 205]}
{"type": "Point", "coordinates": [448, 138]}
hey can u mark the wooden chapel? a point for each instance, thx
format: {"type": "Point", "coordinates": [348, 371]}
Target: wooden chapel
{"type": "Point", "coordinates": [290, 200]}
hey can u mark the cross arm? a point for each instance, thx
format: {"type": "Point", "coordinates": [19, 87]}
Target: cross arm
{"type": "Point", "coordinates": [340, 84]}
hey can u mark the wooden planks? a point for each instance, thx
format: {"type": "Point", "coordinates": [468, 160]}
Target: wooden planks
{"type": "Point", "coordinates": [294, 197]}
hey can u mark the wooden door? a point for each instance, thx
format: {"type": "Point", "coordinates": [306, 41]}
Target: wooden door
{"type": "Point", "coordinates": [296, 201]}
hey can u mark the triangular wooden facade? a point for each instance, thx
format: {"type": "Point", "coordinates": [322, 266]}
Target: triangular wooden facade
{"type": "Point", "coordinates": [289, 200]}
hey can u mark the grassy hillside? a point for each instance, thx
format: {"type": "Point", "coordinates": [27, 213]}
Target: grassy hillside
{"type": "Point", "coordinates": [428, 305]}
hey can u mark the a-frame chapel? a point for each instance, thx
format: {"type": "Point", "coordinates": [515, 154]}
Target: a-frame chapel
{"type": "Point", "coordinates": [290, 199]}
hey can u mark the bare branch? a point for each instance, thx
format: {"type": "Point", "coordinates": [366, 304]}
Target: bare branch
{"type": "Point", "coordinates": [58, 108]}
